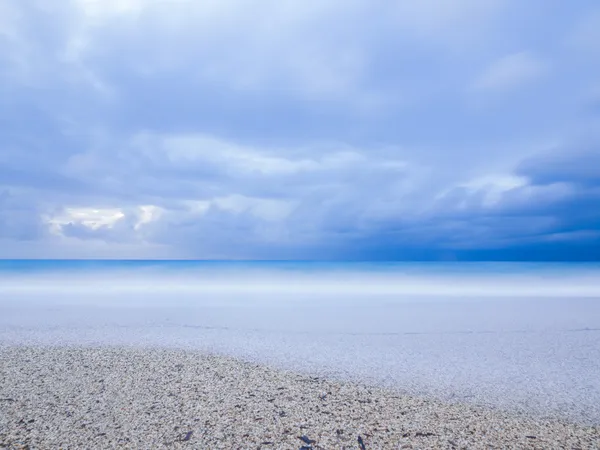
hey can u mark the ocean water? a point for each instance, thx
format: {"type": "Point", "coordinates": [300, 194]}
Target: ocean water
{"type": "Point", "coordinates": [517, 336]}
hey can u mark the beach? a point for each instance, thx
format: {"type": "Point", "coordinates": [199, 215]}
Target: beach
{"type": "Point", "coordinates": [209, 356]}
{"type": "Point", "coordinates": [124, 397]}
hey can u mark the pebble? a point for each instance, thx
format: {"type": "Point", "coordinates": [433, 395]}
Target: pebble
{"type": "Point", "coordinates": [75, 397]}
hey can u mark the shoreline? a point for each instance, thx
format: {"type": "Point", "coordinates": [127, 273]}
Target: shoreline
{"type": "Point", "coordinates": [124, 397]}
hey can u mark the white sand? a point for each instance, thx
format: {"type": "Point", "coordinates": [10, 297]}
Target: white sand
{"type": "Point", "coordinates": [70, 397]}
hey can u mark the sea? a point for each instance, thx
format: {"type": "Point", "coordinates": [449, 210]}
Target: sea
{"type": "Point", "coordinates": [523, 337]}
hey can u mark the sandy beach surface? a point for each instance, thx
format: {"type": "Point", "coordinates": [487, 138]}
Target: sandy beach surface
{"type": "Point", "coordinates": [116, 397]}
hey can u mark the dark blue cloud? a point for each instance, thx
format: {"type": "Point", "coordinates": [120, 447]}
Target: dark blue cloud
{"type": "Point", "coordinates": [566, 227]}
{"type": "Point", "coordinates": [573, 166]}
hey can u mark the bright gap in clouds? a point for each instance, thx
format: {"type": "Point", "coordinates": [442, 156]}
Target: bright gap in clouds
{"type": "Point", "coordinates": [91, 218]}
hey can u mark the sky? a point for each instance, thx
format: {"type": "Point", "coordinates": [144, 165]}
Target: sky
{"type": "Point", "coordinates": [321, 129]}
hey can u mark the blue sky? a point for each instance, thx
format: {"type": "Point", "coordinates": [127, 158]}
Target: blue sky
{"type": "Point", "coordinates": [355, 129]}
